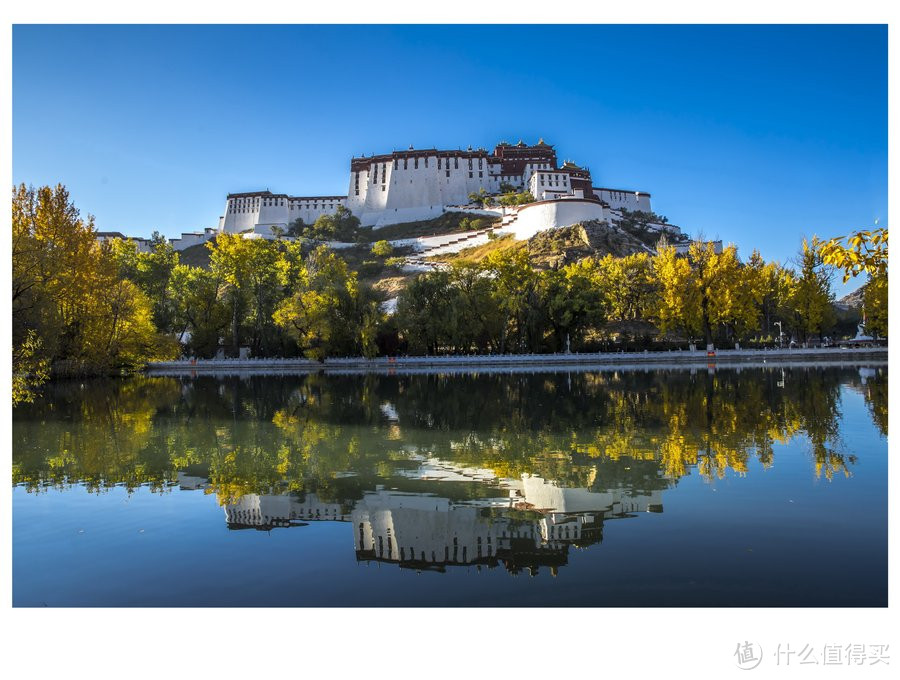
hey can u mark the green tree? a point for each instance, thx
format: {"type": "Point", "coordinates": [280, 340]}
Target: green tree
{"type": "Point", "coordinates": [382, 248]}
{"type": "Point", "coordinates": [328, 312]}
{"type": "Point", "coordinates": [426, 312]}
{"type": "Point", "coordinates": [152, 272]}
{"type": "Point", "coordinates": [514, 198]}
{"type": "Point", "coordinates": [514, 289]}
{"type": "Point", "coordinates": [812, 300]}
{"type": "Point", "coordinates": [201, 311]}
{"type": "Point", "coordinates": [479, 197]}
{"type": "Point", "coordinates": [479, 320]}
{"type": "Point", "coordinates": [572, 302]}
{"type": "Point", "coordinates": [341, 225]}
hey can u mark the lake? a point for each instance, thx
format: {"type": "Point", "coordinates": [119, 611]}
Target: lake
{"type": "Point", "coordinates": [689, 487]}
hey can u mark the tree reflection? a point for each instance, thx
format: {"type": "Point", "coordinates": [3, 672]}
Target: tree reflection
{"type": "Point", "coordinates": [340, 436]}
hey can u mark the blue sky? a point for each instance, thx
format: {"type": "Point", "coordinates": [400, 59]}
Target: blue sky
{"type": "Point", "coordinates": [759, 135]}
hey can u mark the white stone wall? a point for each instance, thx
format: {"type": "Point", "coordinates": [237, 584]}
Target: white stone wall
{"type": "Point", "coordinates": [245, 213]}
{"type": "Point", "coordinates": [193, 238]}
{"type": "Point", "coordinates": [619, 198]}
{"type": "Point", "coordinates": [241, 214]}
{"type": "Point", "coordinates": [410, 189]}
{"type": "Point", "coordinates": [535, 217]}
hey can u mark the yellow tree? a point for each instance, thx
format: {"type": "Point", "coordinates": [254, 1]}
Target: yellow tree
{"type": "Point", "coordinates": [740, 292]}
{"type": "Point", "coordinates": [704, 290]}
{"type": "Point", "coordinates": [55, 257]}
{"type": "Point", "coordinates": [865, 252]}
{"type": "Point", "coordinates": [69, 306]}
{"type": "Point", "coordinates": [678, 300]}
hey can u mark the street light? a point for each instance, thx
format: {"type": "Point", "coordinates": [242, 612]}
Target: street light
{"type": "Point", "coordinates": [780, 333]}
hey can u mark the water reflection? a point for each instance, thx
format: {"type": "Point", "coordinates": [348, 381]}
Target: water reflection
{"type": "Point", "coordinates": [532, 526]}
{"type": "Point", "coordinates": [435, 471]}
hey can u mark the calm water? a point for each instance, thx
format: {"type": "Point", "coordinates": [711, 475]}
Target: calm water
{"type": "Point", "coordinates": [628, 488]}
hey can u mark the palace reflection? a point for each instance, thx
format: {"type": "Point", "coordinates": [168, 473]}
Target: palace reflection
{"type": "Point", "coordinates": [534, 525]}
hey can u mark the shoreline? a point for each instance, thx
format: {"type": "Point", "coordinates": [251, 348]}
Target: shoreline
{"type": "Point", "coordinates": [743, 358]}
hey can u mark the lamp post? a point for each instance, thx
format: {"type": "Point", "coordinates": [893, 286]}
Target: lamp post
{"type": "Point", "coordinates": [780, 333]}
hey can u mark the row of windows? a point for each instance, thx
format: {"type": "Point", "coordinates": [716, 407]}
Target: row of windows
{"type": "Point", "coordinates": [440, 164]}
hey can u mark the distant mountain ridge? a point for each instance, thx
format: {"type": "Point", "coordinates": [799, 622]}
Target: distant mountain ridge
{"type": "Point", "coordinates": [853, 300]}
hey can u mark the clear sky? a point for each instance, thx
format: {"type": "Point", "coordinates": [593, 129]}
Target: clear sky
{"type": "Point", "coordinates": [759, 135]}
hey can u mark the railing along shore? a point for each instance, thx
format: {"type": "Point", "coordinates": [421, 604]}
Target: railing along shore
{"type": "Point", "coordinates": [658, 359]}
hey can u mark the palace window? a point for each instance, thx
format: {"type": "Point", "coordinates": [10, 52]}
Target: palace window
{"type": "Point", "coordinates": [481, 174]}
{"type": "Point", "coordinates": [456, 163]}
{"type": "Point", "coordinates": [439, 162]}
{"type": "Point", "coordinates": [415, 164]}
{"type": "Point", "coordinates": [405, 163]}
{"type": "Point", "coordinates": [448, 173]}
{"type": "Point", "coordinates": [470, 175]}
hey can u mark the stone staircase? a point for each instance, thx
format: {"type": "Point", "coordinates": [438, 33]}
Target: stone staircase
{"type": "Point", "coordinates": [419, 261]}
{"type": "Point", "coordinates": [465, 240]}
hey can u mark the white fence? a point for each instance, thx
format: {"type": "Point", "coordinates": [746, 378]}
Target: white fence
{"type": "Point", "coordinates": [533, 361]}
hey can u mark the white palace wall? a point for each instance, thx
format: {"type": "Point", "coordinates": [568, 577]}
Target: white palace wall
{"type": "Point", "coordinates": [535, 217]}
{"type": "Point", "coordinates": [245, 212]}
{"type": "Point", "coordinates": [630, 200]}
{"type": "Point", "coordinates": [410, 189]}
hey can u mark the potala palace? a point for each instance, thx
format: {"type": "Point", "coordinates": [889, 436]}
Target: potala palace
{"type": "Point", "coordinates": [421, 184]}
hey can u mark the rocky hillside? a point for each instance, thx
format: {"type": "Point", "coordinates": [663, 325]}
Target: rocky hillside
{"type": "Point", "coordinates": [558, 247]}
{"type": "Point", "coordinates": [853, 300]}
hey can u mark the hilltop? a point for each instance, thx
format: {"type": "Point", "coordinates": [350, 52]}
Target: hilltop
{"type": "Point", "coordinates": [558, 247]}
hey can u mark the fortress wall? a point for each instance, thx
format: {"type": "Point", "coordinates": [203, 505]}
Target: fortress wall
{"type": "Point", "coordinates": [277, 213]}
{"type": "Point", "coordinates": [534, 217]}
{"type": "Point", "coordinates": [248, 213]}
{"type": "Point", "coordinates": [188, 240]}
{"type": "Point", "coordinates": [411, 189]}
{"type": "Point", "coordinates": [357, 191]}
{"type": "Point", "coordinates": [630, 200]}
{"type": "Point", "coordinates": [310, 209]}
{"type": "Point", "coordinates": [240, 216]}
